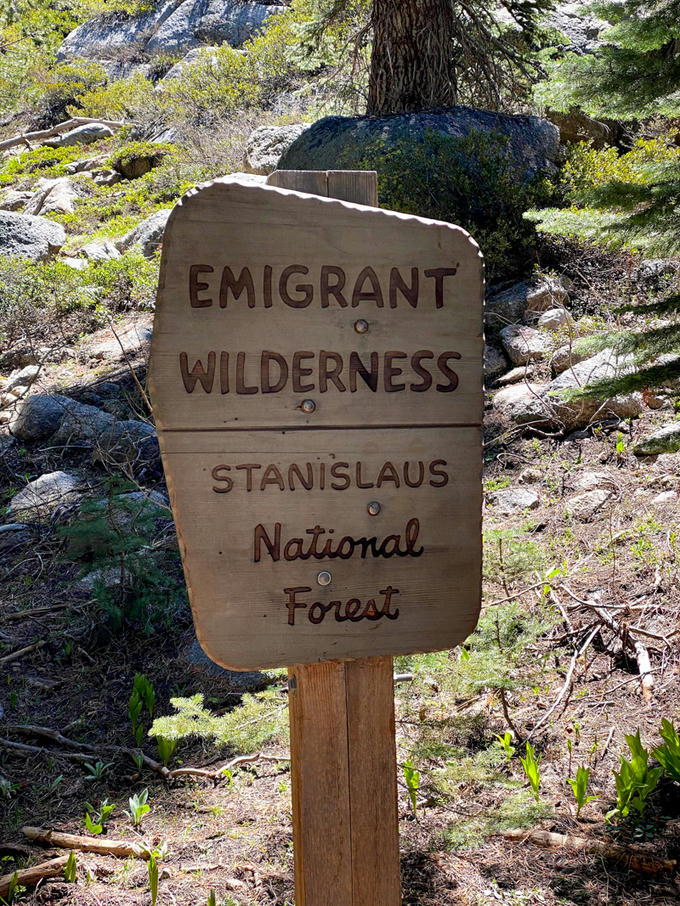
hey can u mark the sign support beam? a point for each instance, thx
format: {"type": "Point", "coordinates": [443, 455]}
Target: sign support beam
{"type": "Point", "coordinates": [342, 735]}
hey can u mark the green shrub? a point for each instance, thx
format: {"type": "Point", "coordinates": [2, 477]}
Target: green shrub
{"type": "Point", "coordinates": [62, 85]}
{"type": "Point", "coordinates": [124, 157]}
{"type": "Point", "coordinates": [124, 99]}
{"type": "Point", "coordinates": [41, 161]}
{"type": "Point", "coordinates": [470, 181]}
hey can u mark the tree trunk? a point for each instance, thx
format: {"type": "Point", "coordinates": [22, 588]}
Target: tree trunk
{"type": "Point", "coordinates": [412, 61]}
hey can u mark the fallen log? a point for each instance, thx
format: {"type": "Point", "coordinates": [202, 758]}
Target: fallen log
{"type": "Point", "coordinates": [29, 877]}
{"type": "Point", "coordinates": [27, 137]}
{"type": "Point", "coordinates": [631, 856]}
{"type": "Point", "coordinates": [97, 845]}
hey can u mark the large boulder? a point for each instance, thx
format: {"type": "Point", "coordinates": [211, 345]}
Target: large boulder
{"type": "Point", "coordinates": [524, 344]}
{"type": "Point", "coordinates": [30, 237]}
{"type": "Point", "coordinates": [112, 35]}
{"type": "Point", "coordinates": [266, 145]}
{"type": "Point", "coordinates": [174, 26]}
{"type": "Point", "coordinates": [343, 142]}
{"type": "Point", "coordinates": [664, 440]}
{"type": "Point", "coordinates": [219, 21]}
{"type": "Point", "coordinates": [53, 196]}
{"type": "Point", "coordinates": [581, 30]}
{"type": "Point", "coordinates": [148, 234]}
{"type": "Point", "coordinates": [523, 301]}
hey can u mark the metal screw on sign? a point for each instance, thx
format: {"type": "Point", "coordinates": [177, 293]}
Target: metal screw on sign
{"type": "Point", "coordinates": [308, 406]}
{"type": "Point", "coordinates": [361, 326]}
{"type": "Point", "coordinates": [374, 508]}
{"type": "Point", "coordinates": [324, 577]}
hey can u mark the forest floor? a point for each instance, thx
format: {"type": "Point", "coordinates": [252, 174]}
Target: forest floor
{"type": "Point", "coordinates": [543, 665]}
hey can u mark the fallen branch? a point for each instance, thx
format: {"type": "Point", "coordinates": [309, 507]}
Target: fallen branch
{"type": "Point", "coordinates": [56, 736]}
{"type": "Point", "coordinates": [631, 856]}
{"type": "Point", "coordinates": [622, 630]}
{"type": "Point", "coordinates": [31, 612]}
{"type": "Point", "coordinates": [85, 844]}
{"type": "Point", "coordinates": [219, 773]}
{"type": "Point", "coordinates": [29, 877]}
{"type": "Point", "coordinates": [27, 137]}
{"type": "Point", "coordinates": [15, 655]}
{"type": "Point", "coordinates": [39, 750]}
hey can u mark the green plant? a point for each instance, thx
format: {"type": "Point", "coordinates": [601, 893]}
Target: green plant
{"type": "Point", "coordinates": [506, 742]}
{"type": "Point", "coordinates": [97, 770]}
{"type": "Point", "coordinates": [165, 748]}
{"type": "Point", "coordinates": [212, 899]}
{"type": "Point", "coordinates": [96, 818]}
{"type": "Point", "coordinates": [634, 780]}
{"type": "Point", "coordinates": [70, 869]}
{"type": "Point", "coordinates": [13, 888]}
{"type": "Point", "coordinates": [155, 856]}
{"type": "Point", "coordinates": [580, 788]}
{"type": "Point", "coordinates": [138, 807]}
{"type": "Point", "coordinates": [668, 754]}
{"type": "Point", "coordinates": [530, 764]}
{"type": "Point", "coordinates": [142, 695]}
{"type": "Point", "coordinates": [412, 779]}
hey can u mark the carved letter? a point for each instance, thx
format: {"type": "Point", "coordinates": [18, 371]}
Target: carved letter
{"type": "Point", "coordinates": [240, 376]}
{"type": "Point", "coordinates": [197, 373]}
{"type": "Point", "coordinates": [356, 366]}
{"type": "Point", "coordinates": [371, 295]}
{"type": "Point", "coordinates": [332, 289]}
{"type": "Point", "coordinates": [437, 473]}
{"type": "Point", "coordinates": [421, 475]}
{"type": "Point", "coordinates": [216, 474]}
{"type": "Point", "coordinates": [411, 533]}
{"type": "Point", "coordinates": [385, 612]}
{"type": "Point", "coordinates": [196, 286]}
{"type": "Point", "coordinates": [391, 372]}
{"type": "Point", "coordinates": [304, 288]}
{"type": "Point", "coordinates": [294, 469]}
{"type": "Point", "coordinates": [438, 273]}
{"type": "Point", "coordinates": [273, 547]}
{"type": "Point", "coordinates": [265, 372]}
{"type": "Point", "coordinates": [299, 372]}
{"type": "Point", "coordinates": [330, 366]}
{"type": "Point", "coordinates": [267, 285]}
{"type": "Point", "coordinates": [249, 468]}
{"type": "Point", "coordinates": [447, 372]}
{"type": "Point", "coordinates": [272, 476]}
{"type": "Point", "coordinates": [423, 373]}
{"type": "Point", "coordinates": [292, 604]}
{"type": "Point", "coordinates": [224, 372]}
{"type": "Point", "coordinates": [388, 473]}
{"type": "Point", "coordinates": [397, 282]}
{"type": "Point", "coordinates": [244, 282]}
{"type": "Point", "coordinates": [335, 473]}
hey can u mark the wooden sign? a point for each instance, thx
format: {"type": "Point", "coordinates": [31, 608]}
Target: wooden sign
{"type": "Point", "coordinates": [316, 380]}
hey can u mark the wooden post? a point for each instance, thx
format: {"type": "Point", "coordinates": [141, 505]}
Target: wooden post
{"type": "Point", "coordinates": [342, 737]}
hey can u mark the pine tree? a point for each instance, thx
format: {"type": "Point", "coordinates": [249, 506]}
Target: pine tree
{"type": "Point", "coordinates": [629, 200]}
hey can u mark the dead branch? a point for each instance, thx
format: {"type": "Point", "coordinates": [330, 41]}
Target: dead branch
{"type": "Point", "coordinates": [56, 736]}
{"type": "Point", "coordinates": [31, 612]}
{"type": "Point", "coordinates": [29, 877]}
{"type": "Point", "coordinates": [39, 750]}
{"type": "Point", "coordinates": [97, 845]}
{"type": "Point", "coordinates": [15, 655]}
{"type": "Point", "coordinates": [217, 774]}
{"type": "Point", "coordinates": [565, 691]}
{"type": "Point", "coordinates": [631, 856]}
{"type": "Point", "coordinates": [622, 630]}
{"type": "Point", "coordinates": [25, 138]}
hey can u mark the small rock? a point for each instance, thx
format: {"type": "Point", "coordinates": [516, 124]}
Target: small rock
{"type": "Point", "coordinates": [665, 440]}
{"type": "Point", "coordinates": [132, 166]}
{"type": "Point", "coordinates": [495, 362]}
{"type": "Point", "coordinates": [555, 318]}
{"type": "Point", "coordinates": [522, 404]}
{"type": "Point", "coordinates": [53, 196]}
{"type": "Point", "coordinates": [107, 178]}
{"type": "Point", "coordinates": [590, 481]}
{"type": "Point", "coordinates": [148, 234]}
{"type": "Point", "coordinates": [41, 498]}
{"type": "Point", "coordinates": [14, 200]}
{"type": "Point", "coordinates": [584, 507]}
{"type": "Point", "coordinates": [22, 378]}
{"type": "Point", "coordinates": [81, 135]}
{"type": "Point", "coordinates": [524, 344]}
{"type": "Point", "coordinates": [100, 250]}
{"type": "Point", "coordinates": [514, 376]}
{"type": "Point", "coordinates": [30, 237]}
{"type": "Point", "coordinates": [78, 264]}
{"type": "Point", "coordinates": [565, 357]}
{"type": "Point", "coordinates": [108, 577]}
{"type": "Point", "coordinates": [14, 534]}
{"type": "Point", "coordinates": [665, 499]}
{"type": "Point", "coordinates": [129, 340]}
{"type": "Point", "coordinates": [85, 164]}
{"type": "Point", "coordinates": [511, 305]}
{"type": "Point", "coordinates": [266, 146]}
{"type": "Point", "coordinates": [530, 476]}
{"type": "Point", "coordinates": [514, 500]}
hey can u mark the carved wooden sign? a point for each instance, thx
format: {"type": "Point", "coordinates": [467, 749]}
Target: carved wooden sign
{"type": "Point", "coordinates": [316, 379]}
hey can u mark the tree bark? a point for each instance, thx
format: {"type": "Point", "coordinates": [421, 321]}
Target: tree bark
{"type": "Point", "coordinates": [412, 60]}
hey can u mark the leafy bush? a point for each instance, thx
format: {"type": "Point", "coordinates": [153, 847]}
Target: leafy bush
{"type": "Point", "coordinates": [62, 85]}
{"type": "Point", "coordinates": [41, 161]}
{"type": "Point", "coordinates": [469, 181]}
{"type": "Point", "coordinates": [668, 754]}
{"type": "Point", "coordinates": [635, 780]}
{"type": "Point", "coordinates": [123, 99]}
{"type": "Point", "coordinates": [131, 151]}
{"type": "Point", "coordinates": [619, 200]}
